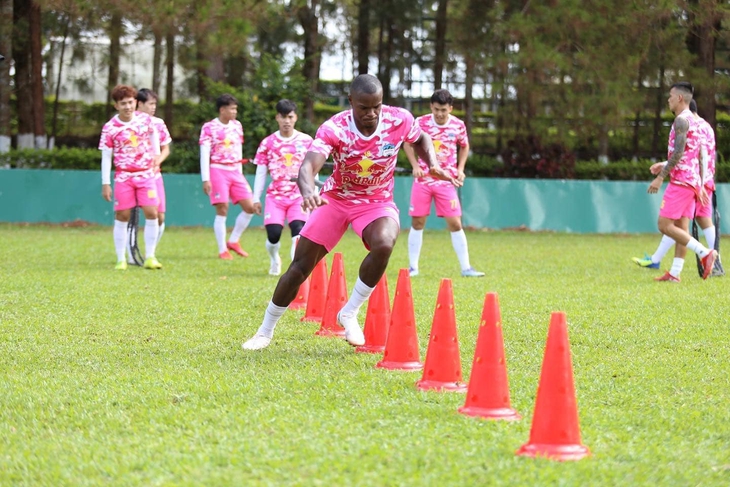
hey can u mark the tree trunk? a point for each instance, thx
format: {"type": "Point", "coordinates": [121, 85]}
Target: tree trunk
{"type": "Point", "coordinates": [309, 20]}
{"type": "Point", "coordinates": [660, 103]}
{"type": "Point", "coordinates": [6, 49]}
{"type": "Point", "coordinates": [468, 93]}
{"type": "Point", "coordinates": [115, 49]}
{"type": "Point", "coordinates": [170, 84]}
{"type": "Point", "coordinates": [363, 36]}
{"type": "Point", "coordinates": [440, 54]}
{"type": "Point", "coordinates": [701, 39]}
{"type": "Point", "coordinates": [157, 61]}
{"type": "Point", "coordinates": [21, 57]}
{"type": "Point", "coordinates": [200, 64]}
{"type": "Point", "coordinates": [36, 76]}
{"type": "Point", "coordinates": [54, 123]}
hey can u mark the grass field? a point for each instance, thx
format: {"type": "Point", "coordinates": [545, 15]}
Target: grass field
{"type": "Point", "coordinates": [138, 377]}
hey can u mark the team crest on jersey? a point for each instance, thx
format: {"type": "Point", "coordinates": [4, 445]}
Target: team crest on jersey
{"type": "Point", "coordinates": [388, 150]}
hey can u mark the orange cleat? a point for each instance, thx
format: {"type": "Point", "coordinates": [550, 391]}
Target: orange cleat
{"type": "Point", "coordinates": [667, 277]}
{"type": "Point", "coordinates": [708, 262]}
{"type": "Point", "coordinates": [225, 255]}
{"type": "Point", "coordinates": [236, 247]}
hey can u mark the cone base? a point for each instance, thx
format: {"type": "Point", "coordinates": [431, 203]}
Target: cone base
{"type": "Point", "coordinates": [318, 319]}
{"type": "Point", "coordinates": [505, 414]}
{"type": "Point", "coordinates": [553, 452]}
{"type": "Point", "coordinates": [391, 365]}
{"type": "Point", "coordinates": [437, 385]}
{"type": "Point", "coordinates": [326, 332]}
{"type": "Point", "coordinates": [370, 349]}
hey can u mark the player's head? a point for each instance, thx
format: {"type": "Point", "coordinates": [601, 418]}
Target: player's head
{"type": "Point", "coordinates": [442, 103]}
{"type": "Point", "coordinates": [147, 101]}
{"type": "Point", "coordinates": [227, 106]}
{"type": "Point", "coordinates": [680, 94]}
{"type": "Point", "coordinates": [286, 116]}
{"type": "Point", "coordinates": [366, 100]}
{"type": "Point", "coordinates": [125, 101]}
{"type": "Point", "coordinates": [693, 106]}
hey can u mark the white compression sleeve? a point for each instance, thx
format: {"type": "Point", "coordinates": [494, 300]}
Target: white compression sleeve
{"type": "Point", "coordinates": [106, 166]}
{"type": "Point", "coordinates": [205, 162]}
{"type": "Point", "coordinates": [260, 182]}
{"type": "Point", "coordinates": [155, 141]}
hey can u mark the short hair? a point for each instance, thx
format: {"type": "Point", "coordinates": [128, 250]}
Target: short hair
{"type": "Point", "coordinates": [442, 97]}
{"type": "Point", "coordinates": [144, 95]}
{"type": "Point", "coordinates": [366, 84]}
{"type": "Point", "coordinates": [225, 100]}
{"type": "Point", "coordinates": [686, 88]}
{"type": "Point", "coordinates": [120, 92]}
{"type": "Point", "coordinates": [285, 107]}
{"type": "Point", "coordinates": [693, 106]}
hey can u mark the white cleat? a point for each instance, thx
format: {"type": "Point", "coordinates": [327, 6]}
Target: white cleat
{"type": "Point", "coordinates": [412, 272]}
{"type": "Point", "coordinates": [257, 342]}
{"type": "Point", "coordinates": [275, 267]}
{"type": "Point", "coordinates": [353, 333]}
{"type": "Point", "coordinates": [471, 272]}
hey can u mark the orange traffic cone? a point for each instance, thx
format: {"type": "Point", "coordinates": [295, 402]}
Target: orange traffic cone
{"type": "Point", "coordinates": [401, 346]}
{"type": "Point", "coordinates": [302, 296]}
{"type": "Point", "coordinates": [377, 319]}
{"type": "Point", "coordinates": [336, 299]}
{"type": "Point", "coordinates": [317, 293]}
{"type": "Point", "coordinates": [442, 370]}
{"type": "Point", "coordinates": [488, 392]}
{"type": "Point", "coordinates": [555, 433]}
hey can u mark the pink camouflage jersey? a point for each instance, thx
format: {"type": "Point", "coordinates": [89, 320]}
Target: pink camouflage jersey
{"type": "Point", "coordinates": [708, 139]}
{"type": "Point", "coordinates": [445, 138]}
{"type": "Point", "coordinates": [131, 145]}
{"type": "Point", "coordinates": [283, 157]}
{"type": "Point", "coordinates": [225, 141]}
{"type": "Point", "coordinates": [687, 171]}
{"type": "Point", "coordinates": [161, 127]}
{"type": "Point", "coordinates": [364, 166]}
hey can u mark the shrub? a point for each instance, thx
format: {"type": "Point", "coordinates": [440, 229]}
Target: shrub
{"type": "Point", "coordinates": [527, 157]}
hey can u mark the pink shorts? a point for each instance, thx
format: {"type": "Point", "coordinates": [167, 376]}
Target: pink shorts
{"type": "Point", "coordinates": [228, 186]}
{"type": "Point", "coordinates": [328, 223]}
{"type": "Point", "coordinates": [447, 201]}
{"type": "Point", "coordinates": [133, 192]}
{"type": "Point", "coordinates": [678, 202]}
{"type": "Point", "coordinates": [705, 210]}
{"type": "Point", "coordinates": [160, 193]}
{"type": "Point", "coordinates": [277, 211]}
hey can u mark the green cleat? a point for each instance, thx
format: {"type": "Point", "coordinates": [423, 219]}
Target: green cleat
{"type": "Point", "coordinates": [645, 262]}
{"type": "Point", "coordinates": [121, 266]}
{"type": "Point", "coordinates": [152, 263]}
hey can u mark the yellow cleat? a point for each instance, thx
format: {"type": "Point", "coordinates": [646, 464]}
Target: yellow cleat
{"type": "Point", "coordinates": [121, 266]}
{"type": "Point", "coordinates": [152, 263]}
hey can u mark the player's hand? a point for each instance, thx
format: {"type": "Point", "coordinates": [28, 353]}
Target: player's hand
{"type": "Point", "coordinates": [313, 202]}
{"type": "Point", "coordinates": [418, 172]}
{"type": "Point", "coordinates": [437, 173]}
{"type": "Point", "coordinates": [207, 187]}
{"type": "Point", "coordinates": [461, 176]}
{"type": "Point", "coordinates": [655, 185]}
{"type": "Point", "coordinates": [106, 192]}
{"type": "Point", "coordinates": [656, 168]}
{"type": "Point", "coordinates": [257, 208]}
{"type": "Point", "coordinates": [704, 197]}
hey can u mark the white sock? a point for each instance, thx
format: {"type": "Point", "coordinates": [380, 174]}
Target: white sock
{"type": "Point", "coordinates": [677, 265]}
{"type": "Point", "coordinates": [160, 232]}
{"type": "Point", "coordinates": [458, 240]}
{"type": "Point", "coordinates": [151, 230]}
{"type": "Point", "coordinates": [273, 250]}
{"type": "Point", "coordinates": [360, 293]}
{"type": "Point", "coordinates": [120, 239]}
{"type": "Point", "coordinates": [242, 221]}
{"type": "Point", "coordinates": [697, 247]}
{"type": "Point", "coordinates": [710, 236]}
{"type": "Point", "coordinates": [128, 245]}
{"type": "Point", "coordinates": [415, 241]}
{"type": "Point", "coordinates": [664, 246]}
{"type": "Point", "coordinates": [271, 318]}
{"type": "Point", "coordinates": [219, 227]}
{"type": "Point", "coordinates": [294, 242]}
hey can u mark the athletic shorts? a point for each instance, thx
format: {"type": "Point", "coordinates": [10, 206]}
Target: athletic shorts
{"type": "Point", "coordinates": [705, 210]}
{"type": "Point", "coordinates": [678, 201]}
{"type": "Point", "coordinates": [160, 193]}
{"type": "Point", "coordinates": [277, 211]}
{"type": "Point", "coordinates": [228, 185]}
{"type": "Point", "coordinates": [135, 191]}
{"type": "Point", "coordinates": [447, 201]}
{"type": "Point", "coordinates": [328, 223]}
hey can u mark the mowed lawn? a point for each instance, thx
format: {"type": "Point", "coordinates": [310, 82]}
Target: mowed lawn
{"type": "Point", "coordinates": [138, 377]}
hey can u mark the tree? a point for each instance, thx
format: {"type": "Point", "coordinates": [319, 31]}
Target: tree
{"type": "Point", "coordinates": [36, 76]}
{"type": "Point", "coordinates": [6, 49]}
{"type": "Point", "coordinates": [23, 82]}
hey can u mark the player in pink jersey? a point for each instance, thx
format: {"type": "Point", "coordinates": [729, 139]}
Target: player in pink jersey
{"type": "Point", "coordinates": [686, 184]}
{"type": "Point", "coordinates": [147, 103]}
{"type": "Point", "coordinates": [364, 143]}
{"type": "Point", "coordinates": [132, 143]}
{"type": "Point", "coordinates": [221, 168]}
{"type": "Point", "coordinates": [281, 154]}
{"type": "Point", "coordinates": [451, 145]}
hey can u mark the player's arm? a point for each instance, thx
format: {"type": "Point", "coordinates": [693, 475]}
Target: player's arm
{"type": "Point", "coordinates": [311, 165]}
{"type": "Point", "coordinates": [205, 167]}
{"type": "Point", "coordinates": [106, 170]}
{"type": "Point", "coordinates": [681, 128]}
{"type": "Point", "coordinates": [461, 162]}
{"type": "Point", "coordinates": [411, 155]}
{"type": "Point", "coordinates": [424, 149]}
{"type": "Point", "coordinates": [258, 186]}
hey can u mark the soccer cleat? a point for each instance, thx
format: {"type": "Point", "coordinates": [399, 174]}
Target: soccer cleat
{"type": "Point", "coordinates": [353, 333]}
{"type": "Point", "coordinates": [645, 262]}
{"type": "Point", "coordinates": [708, 262]}
{"type": "Point", "coordinates": [152, 263]}
{"type": "Point", "coordinates": [257, 342]}
{"type": "Point", "coordinates": [225, 255]}
{"type": "Point", "coordinates": [717, 270]}
{"type": "Point", "coordinates": [236, 247]}
{"type": "Point", "coordinates": [121, 266]}
{"type": "Point", "coordinates": [275, 268]}
{"type": "Point", "coordinates": [471, 272]}
{"type": "Point", "coordinates": [667, 277]}
{"type": "Point", "coordinates": [412, 272]}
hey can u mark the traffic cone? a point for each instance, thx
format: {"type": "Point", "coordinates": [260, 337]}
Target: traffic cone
{"type": "Point", "coordinates": [442, 370]}
{"type": "Point", "coordinates": [302, 296]}
{"type": "Point", "coordinates": [336, 299]}
{"type": "Point", "coordinates": [377, 319]}
{"type": "Point", "coordinates": [488, 392]}
{"type": "Point", "coordinates": [401, 346]}
{"type": "Point", "coordinates": [317, 293]}
{"type": "Point", "coordinates": [555, 433]}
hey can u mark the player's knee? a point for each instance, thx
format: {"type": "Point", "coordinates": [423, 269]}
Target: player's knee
{"type": "Point", "coordinates": [247, 206]}
{"type": "Point", "coordinates": [296, 227]}
{"type": "Point", "coordinates": [382, 246]}
{"type": "Point", "coordinates": [273, 233]}
{"type": "Point", "coordinates": [161, 217]}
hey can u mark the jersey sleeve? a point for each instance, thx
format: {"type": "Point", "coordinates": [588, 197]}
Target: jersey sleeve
{"type": "Point", "coordinates": [325, 140]}
{"type": "Point", "coordinates": [414, 132]}
{"type": "Point", "coordinates": [165, 137]}
{"type": "Point", "coordinates": [462, 138]}
{"type": "Point", "coordinates": [262, 153]}
{"type": "Point", "coordinates": [105, 141]}
{"type": "Point", "coordinates": [205, 136]}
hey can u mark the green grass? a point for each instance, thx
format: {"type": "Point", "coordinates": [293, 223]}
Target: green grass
{"type": "Point", "coordinates": [138, 377]}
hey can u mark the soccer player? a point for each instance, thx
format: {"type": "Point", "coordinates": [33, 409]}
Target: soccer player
{"type": "Point", "coordinates": [703, 213]}
{"type": "Point", "coordinates": [147, 103]}
{"type": "Point", "coordinates": [364, 143]}
{"type": "Point", "coordinates": [281, 154]}
{"type": "Point", "coordinates": [449, 139]}
{"type": "Point", "coordinates": [132, 143]}
{"type": "Point", "coordinates": [221, 168]}
{"type": "Point", "coordinates": [685, 184]}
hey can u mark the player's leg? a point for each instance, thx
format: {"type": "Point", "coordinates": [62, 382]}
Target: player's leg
{"type": "Point", "coordinates": [273, 243]}
{"type": "Point", "coordinates": [162, 207]}
{"type": "Point", "coordinates": [124, 201]}
{"type": "Point", "coordinates": [219, 228]}
{"type": "Point", "coordinates": [296, 218]}
{"type": "Point", "coordinates": [448, 207]}
{"type": "Point", "coordinates": [704, 220]}
{"type": "Point", "coordinates": [296, 228]}
{"type": "Point", "coordinates": [680, 251]}
{"type": "Point", "coordinates": [146, 194]}
{"type": "Point", "coordinates": [242, 196]}
{"type": "Point", "coordinates": [419, 208]}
